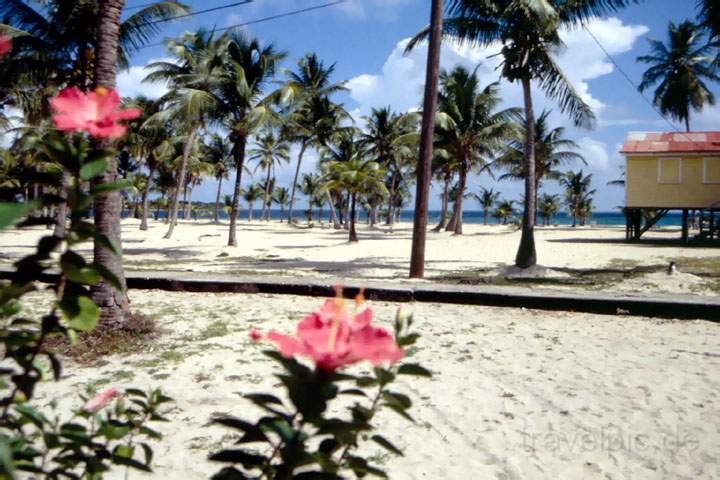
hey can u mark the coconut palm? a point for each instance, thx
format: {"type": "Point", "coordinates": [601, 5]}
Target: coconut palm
{"type": "Point", "coordinates": [269, 152]}
{"type": "Point", "coordinates": [357, 177]}
{"type": "Point", "coordinates": [486, 199]}
{"type": "Point", "coordinates": [217, 153]}
{"type": "Point", "coordinates": [312, 187]}
{"type": "Point", "coordinates": [197, 169]}
{"type": "Point", "coordinates": [314, 116]}
{"type": "Point", "coordinates": [251, 194]}
{"type": "Point", "coordinates": [529, 32]}
{"type": "Point", "coordinates": [470, 129]}
{"type": "Point", "coordinates": [552, 150]}
{"type": "Point", "coordinates": [548, 205]}
{"type": "Point", "coordinates": [585, 208]}
{"type": "Point", "coordinates": [281, 196]}
{"type": "Point", "coordinates": [680, 68]}
{"type": "Point", "coordinates": [577, 190]}
{"type": "Point", "coordinates": [504, 209]}
{"type": "Point", "coordinates": [391, 139]}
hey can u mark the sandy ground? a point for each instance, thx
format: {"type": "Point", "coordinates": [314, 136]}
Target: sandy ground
{"type": "Point", "coordinates": [277, 249]}
{"type": "Point", "coordinates": [517, 394]}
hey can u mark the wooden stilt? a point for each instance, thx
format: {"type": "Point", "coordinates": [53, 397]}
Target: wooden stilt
{"type": "Point", "coordinates": [685, 225]}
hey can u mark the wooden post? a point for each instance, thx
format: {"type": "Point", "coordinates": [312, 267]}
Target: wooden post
{"type": "Point", "coordinates": [685, 225]}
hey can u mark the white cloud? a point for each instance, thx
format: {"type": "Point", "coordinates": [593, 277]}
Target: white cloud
{"type": "Point", "coordinates": [400, 82]}
{"type": "Point", "coordinates": [130, 82]}
{"type": "Point", "coordinates": [595, 153]}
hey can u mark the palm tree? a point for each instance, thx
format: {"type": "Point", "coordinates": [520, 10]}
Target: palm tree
{"type": "Point", "coordinates": [269, 152]}
{"type": "Point", "coordinates": [217, 153]}
{"type": "Point", "coordinates": [486, 199]}
{"type": "Point", "coordinates": [311, 186]}
{"type": "Point", "coordinates": [552, 149]}
{"type": "Point", "coordinates": [680, 69]}
{"type": "Point", "coordinates": [281, 196]}
{"type": "Point", "coordinates": [469, 130]}
{"type": "Point", "coordinates": [529, 32]}
{"type": "Point", "coordinates": [576, 190]}
{"type": "Point", "coordinates": [197, 168]}
{"type": "Point", "coordinates": [250, 195]}
{"type": "Point", "coordinates": [443, 170]}
{"type": "Point", "coordinates": [503, 210]}
{"type": "Point", "coordinates": [548, 205]}
{"type": "Point", "coordinates": [314, 113]}
{"type": "Point", "coordinates": [190, 104]}
{"type": "Point", "coordinates": [358, 177]}
{"type": "Point", "coordinates": [390, 138]}
{"type": "Point", "coordinates": [709, 15]}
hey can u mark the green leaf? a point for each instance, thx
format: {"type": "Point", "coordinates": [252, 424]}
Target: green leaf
{"type": "Point", "coordinates": [93, 169]}
{"type": "Point", "coordinates": [81, 313]}
{"type": "Point", "coordinates": [10, 212]}
{"type": "Point", "coordinates": [110, 187]}
{"type": "Point", "coordinates": [383, 442]}
{"type": "Point", "coordinates": [414, 369]}
{"type": "Point", "coordinates": [397, 398]}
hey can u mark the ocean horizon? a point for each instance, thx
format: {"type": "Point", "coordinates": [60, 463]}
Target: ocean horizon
{"type": "Point", "coordinates": [610, 218]}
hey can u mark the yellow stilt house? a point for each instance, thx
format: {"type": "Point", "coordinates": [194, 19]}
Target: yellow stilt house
{"type": "Point", "coordinates": [672, 171]}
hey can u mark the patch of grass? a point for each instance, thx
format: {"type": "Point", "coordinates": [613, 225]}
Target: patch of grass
{"type": "Point", "coordinates": [215, 329]}
{"type": "Point", "coordinates": [161, 376]}
{"type": "Point", "coordinates": [121, 375]}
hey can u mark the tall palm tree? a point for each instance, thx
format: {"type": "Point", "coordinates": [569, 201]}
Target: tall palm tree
{"type": "Point", "coordinates": [281, 196]}
{"type": "Point", "coordinates": [269, 152]}
{"type": "Point", "coordinates": [313, 112]}
{"type": "Point", "coordinates": [311, 186]}
{"type": "Point", "coordinates": [217, 153]}
{"type": "Point", "coordinates": [548, 205]}
{"type": "Point", "coordinates": [486, 199]}
{"type": "Point", "coordinates": [470, 129]}
{"type": "Point", "coordinates": [577, 189]}
{"type": "Point", "coordinates": [190, 104]}
{"type": "Point", "coordinates": [680, 69]}
{"type": "Point", "coordinates": [197, 169]}
{"type": "Point", "coordinates": [552, 150]}
{"type": "Point", "coordinates": [390, 138]}
{"type": "Point", "coordinates": [529, 32]}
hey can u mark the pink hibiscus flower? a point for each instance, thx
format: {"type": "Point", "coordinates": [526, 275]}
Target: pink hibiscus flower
{"type": "Point", "coordinates": [101, 400]}
{"type": "Point", "coordinates": [333, 339]}
{"type": "Point", "coordinates": [95, 112]}
{"type": "Point", "coordinates": [5, 45]}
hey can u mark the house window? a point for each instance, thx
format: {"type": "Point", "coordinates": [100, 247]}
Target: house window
{"type": "Point", "coordinates": [711, 170]}
{"type": "Point", "coordinates": [669, 170]}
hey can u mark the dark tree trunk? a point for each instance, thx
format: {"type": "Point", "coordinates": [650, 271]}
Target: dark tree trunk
{"type": "Point", "coordinates": [239, 153]}
{"type": "Point", "coordinates": [353, 233]}
{"type": "Point", "coordinates": [424, 166]}
{"type": "Point", "coordinates": [62, 210]}
{"type": "Point", "coordinates": [346, 224]}
{"type": "Point", "coordinates": [462, 182]}
{"type": "Point", "coordinates": [526, 256]}
{"type": "Point", "coordinates": [303, 146]}
{"type": "Point", "coordinates": [114, 304]}
{"type": "Point", "coordinates": [173, 214]}
{"type": "Point", "coordinates": [146, 201]}
{"type": "Point", "coordinates": [265, 215]}
{"type": "Point", "coordinates": [188, 204]}
{"type": "Point", "coordinates": [445, 201]}
{"type": "Point", "coordinates": [282, 212]}
{"type": "Point", "coordinates": [391, 200]}
{"type": "Point", "coordinates": [216, 215]}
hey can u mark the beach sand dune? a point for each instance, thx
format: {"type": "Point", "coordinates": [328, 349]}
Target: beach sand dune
{"type": "Point", "coordinates": [516, 394]}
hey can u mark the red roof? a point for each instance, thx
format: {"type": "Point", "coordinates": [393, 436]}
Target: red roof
{"type": "Point", "coordinates": [672, 142]}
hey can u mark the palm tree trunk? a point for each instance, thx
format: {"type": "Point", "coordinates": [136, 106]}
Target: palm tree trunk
{"type": "Point", "coordinates": [460, 195]}
{"type": "Point", "coordinates": [333, 213]}
{"type": "Point", "coordinates": [239, 153]}
{"type": "Point", "coordinates": [348, 199]}
{"type": "Point", "coordinates": [216, 215]}
{"type": "Point", "coordinates": [687, 123]}
{"type": "Point", "coordinates": [424, 166]}
{"type": "Point", "coordinates": [114, 304]}
{"type": "Point", "coordinates": [61, 217]}
{"type": "Point", "coordinates": [353, 233]}
{"type": "Point", "coordinates": [445, 201]}
{"type": "Point", "coordinates": [180, 183]}
{"type": "Point", "coordinates": [391, 200]}
{"type": "Point", "coordinates": [485, 214]}
{"type": "Point", "coordinates": [266, 199]}
{"type": "Point", "coordinates": [303, 146]}
{"type": "Point", "coordinates": [188, 205]}
{"type": "Point", "coordinates": [526, 255]}
{"type": "Point", "coordinates": [450, 227]}
{"type": "Point", "coordinates": [146, 201]}
{"type": "Point", "coordinates": [576, 207]}
{"type": "Point", "coordinates": [250, 211]}
{"type": "Point", "coordinates": [282, 212]}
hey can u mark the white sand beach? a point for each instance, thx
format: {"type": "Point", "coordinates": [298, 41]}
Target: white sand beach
{"type": "Point", "coordinates": [516, 393]}
{"type": "Point", "coordinates": [272, 248]}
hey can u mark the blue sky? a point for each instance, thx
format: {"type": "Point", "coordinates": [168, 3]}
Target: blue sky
{"type": "Point", "coordinates": [364, 38]}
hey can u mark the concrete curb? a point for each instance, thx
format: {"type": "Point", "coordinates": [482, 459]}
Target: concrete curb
{"type": "Point", "coordinates": [668, 306]}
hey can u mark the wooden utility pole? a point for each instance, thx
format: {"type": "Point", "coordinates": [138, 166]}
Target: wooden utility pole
{"type": "Point", "coordinates": [424, 167]}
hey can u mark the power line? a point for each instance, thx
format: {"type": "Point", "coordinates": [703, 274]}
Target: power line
{"type": "Point", "coordinates": [195, 13]}
{"type": "Point", "coordinates": [630, 80]}
{"type": "Point", "coordinates": [267, 19]}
